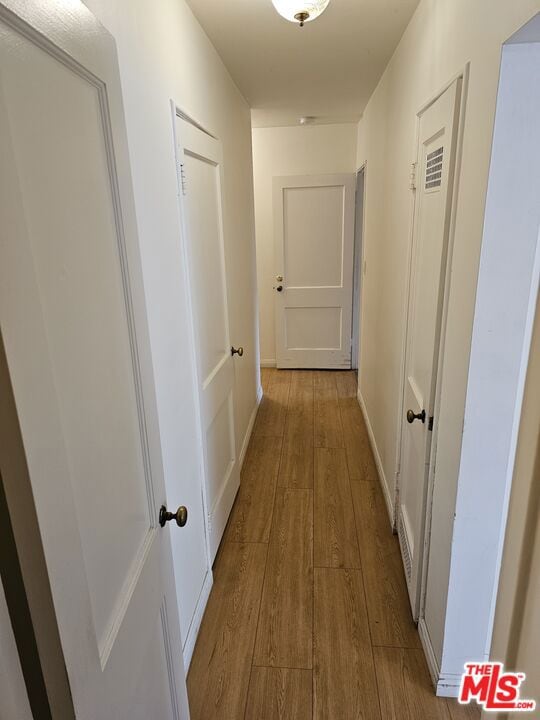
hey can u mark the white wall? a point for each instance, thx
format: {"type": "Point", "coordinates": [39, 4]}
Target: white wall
{"type": "Point", "coordinates": [307, 150]}
{"type": "Point", "coordinates": [443, 36]}
{"type": "Point", "coordinates": [164, 55]}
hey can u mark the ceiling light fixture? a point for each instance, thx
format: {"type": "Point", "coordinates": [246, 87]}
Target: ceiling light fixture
{"type": "Point", "coordinates": [300, 11]}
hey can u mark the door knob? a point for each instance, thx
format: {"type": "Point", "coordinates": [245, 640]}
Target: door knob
{"type": "Point", "coordinates": [411, 417]}
{"type": "Point", "coordinates": [279, 278]}
{"type": "Point", "coordinates": [279, 288]}
{"type": "Point", "coordinates": [180, 516]}
{"type": "Point", "coordinates": [237, 351]}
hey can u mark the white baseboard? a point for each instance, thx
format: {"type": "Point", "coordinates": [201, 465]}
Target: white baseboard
{"type": "Point", "coordinates": [378, 462]}
{"type": "Point", "coordinates": [448, 685]}
{"type": "Point", "coordinates": [268, 363]}
{"type": "Point", "coordinates": [445, 684]}
{"type": "Point", "coordinates": [251, 423]}
{"type": "Point", "coordinates": [189, 642]}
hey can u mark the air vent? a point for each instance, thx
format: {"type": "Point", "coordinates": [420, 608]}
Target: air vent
{"type": "Point", "coordinates": [404, 545]}
{"type": "Point", "coordinates": [434, 169]}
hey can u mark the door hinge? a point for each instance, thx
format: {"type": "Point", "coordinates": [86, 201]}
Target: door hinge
{"type": "Point", "coordinates": [182, 177]}
{"type": "Point", "coordinates": [412, 183]}
{"type": "Point", "coordinates": [430, 423]}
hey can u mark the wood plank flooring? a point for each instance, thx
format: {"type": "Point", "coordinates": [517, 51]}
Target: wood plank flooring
{"type": "Point", "coordinates": [284, 636]}
{"type": "Point", "coordinates": [309, 618]}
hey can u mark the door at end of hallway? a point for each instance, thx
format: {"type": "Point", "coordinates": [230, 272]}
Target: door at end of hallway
{"type": "Point", "coordinates": [314, 248]}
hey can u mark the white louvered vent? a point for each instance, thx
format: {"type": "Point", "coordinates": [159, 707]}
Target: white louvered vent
{"type": "Point", "coordinates": [434, 169]}
{"type": "Point", "coordinates": [404, 544]}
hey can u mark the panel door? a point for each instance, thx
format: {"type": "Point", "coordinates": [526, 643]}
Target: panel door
{"type": "Point", "coordinates": [314, 245]}
{"type": "Point", "coordinates": [200, 158]}
{"type": "Point", "coordinates": [73, 321]}
{"type": "Point", "coordinates": [436, 161]}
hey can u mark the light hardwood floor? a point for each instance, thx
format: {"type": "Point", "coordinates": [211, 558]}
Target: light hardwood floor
{"type": "Point", "coordinates": [309, 617]}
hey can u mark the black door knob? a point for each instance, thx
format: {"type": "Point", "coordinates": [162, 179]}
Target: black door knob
{"type": "Point", "coordinates": [237, 351]}
{"type": "Point", "coordinates": [180, 516]}
{"type": "Point", "coordinates": [279, 288]}
{"type": "Point", "coordinates": [411, 417]}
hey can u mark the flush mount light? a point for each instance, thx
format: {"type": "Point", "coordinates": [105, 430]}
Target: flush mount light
{"type": "Point", "coordinates": [300, 11]}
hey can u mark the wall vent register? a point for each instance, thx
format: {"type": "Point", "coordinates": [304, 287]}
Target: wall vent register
{"type": "Point", "coordinates": [434, 169]}
{"type": "Point", "coordinates": [404, 545]}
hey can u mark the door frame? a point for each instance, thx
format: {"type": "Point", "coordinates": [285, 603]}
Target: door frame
{"type": "Point", "coordinates": [191, 346]}
{"type": "Point", "coordinates": [439, 349]}
{"type": "Point", "coordinates": [358, 272]}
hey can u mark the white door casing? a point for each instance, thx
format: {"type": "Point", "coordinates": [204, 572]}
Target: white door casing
{"type": "Point", "coordinates": [358, 269]}
{"type": "Point", "coordinates": [437, 142]}
{"type": "Point", "coordinates": [314, 245]}
{"type": "Point", "coordinates": [73, 321]}
{"type": "Point", "coordinates": [199, 156]}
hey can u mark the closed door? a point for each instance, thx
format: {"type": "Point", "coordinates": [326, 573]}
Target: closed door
{"type": "Point", "coordinates": [201, 167]}
{"type": "Point", "coordinates": [73, 322]}
{"type": "Point", "coordinates": [435, 174]}
{"type": "Point", "coordinates": [314, 245]}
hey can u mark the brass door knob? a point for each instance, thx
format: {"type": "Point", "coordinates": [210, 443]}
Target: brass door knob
{"type": "Point", "coordinates": [180, 516]}
{"type": "Point", "coordinates": [411, 417]}
{"type": "Point", "coordinates": [237, 351]}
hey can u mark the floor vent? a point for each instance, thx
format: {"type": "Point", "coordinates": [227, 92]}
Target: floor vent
{"type": "Point", "coordinates": [434, 169]}
{"type": "Point", "coordinates": [404, 544]}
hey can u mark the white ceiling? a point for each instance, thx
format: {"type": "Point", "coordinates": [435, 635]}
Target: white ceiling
{"type": "Point", "coordinates": [328, 69]}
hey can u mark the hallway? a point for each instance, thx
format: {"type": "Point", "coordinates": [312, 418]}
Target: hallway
{"type": "Point", "coordinates": [309, 615]}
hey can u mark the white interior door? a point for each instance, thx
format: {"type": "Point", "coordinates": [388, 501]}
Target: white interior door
{"type": "Point", "coordinates": [201, 167]}
{"type": "Point", "coordinates": [435, 172]}
{"type": "Point", "coordinates": [314, 246]}
{"type": "Point", "coordinates": [73, 321]}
